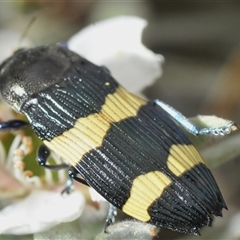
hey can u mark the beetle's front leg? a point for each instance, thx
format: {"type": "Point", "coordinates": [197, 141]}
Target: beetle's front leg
{"type": "Point", "coordinates": [42, 157]}
{"type": "Point", "coordinates": [226, 128]}
{"type": "Point", "coordinates": [13, 125]}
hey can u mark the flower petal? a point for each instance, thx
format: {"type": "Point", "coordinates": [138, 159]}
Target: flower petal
{"type": "Point", "coordinates": [116, 44]}
{"type": "Point", "coordinates": [95, 196]}
{"type": "Point", "coordinates": [9, 186]}
{"type": "Point", "coordinates": [40, 211]}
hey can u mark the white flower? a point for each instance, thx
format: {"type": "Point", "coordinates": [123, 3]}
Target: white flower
{"type": "Point", "coordinates": [116, 44]}
{"type": "Point", "coordinates": [43, 208]}
{"type": "Point", "coordinates": [40, 211]}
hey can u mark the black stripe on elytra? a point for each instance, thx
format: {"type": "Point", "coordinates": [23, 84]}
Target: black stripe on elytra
{"type": "Point", "coordinates": [201, 199]}
{"type": "Point", "coordinates": [139, 145]}
{"type": "Point", "coordinates": [204, 187]}
{"type": "Point", "coordinates": [179, 209]}
{"type": "Point", "coordinates": [81, 91]}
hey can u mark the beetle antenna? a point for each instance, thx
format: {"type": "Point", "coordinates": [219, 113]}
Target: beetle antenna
{"type": "Point", "coordinates": [25, 32]}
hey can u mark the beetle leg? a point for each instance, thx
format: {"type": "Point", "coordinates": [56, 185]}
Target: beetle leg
{"type": "Point", "coordinates": [72, 172]}
{"type": "Point", "coordinates": [190, 127]}
{"type": "Point", "coordinates": [68, 187]}
{"type": "Point", "coordinates": [42, 157]}
{"type": "Point", "coordinates": [13, 125]}
{"type": "Point", "coordinates": [112, 213]}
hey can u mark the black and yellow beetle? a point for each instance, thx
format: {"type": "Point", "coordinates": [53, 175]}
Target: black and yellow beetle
{"type": "Point", "coordinates": [129, 150]}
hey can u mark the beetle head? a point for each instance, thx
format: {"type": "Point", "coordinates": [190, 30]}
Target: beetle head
{"type": "Point", "coordinates": [30, 71]}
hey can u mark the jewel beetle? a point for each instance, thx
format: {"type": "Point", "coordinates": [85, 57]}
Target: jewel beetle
{"type": "Point", "coordinates": [131, 151]}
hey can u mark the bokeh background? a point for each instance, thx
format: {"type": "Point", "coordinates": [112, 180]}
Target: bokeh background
{"type": "Point", "coordinates": [200, 41]}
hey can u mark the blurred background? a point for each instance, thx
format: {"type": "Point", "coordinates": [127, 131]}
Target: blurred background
{"type": "Point", "coordinates": [201, 74]}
